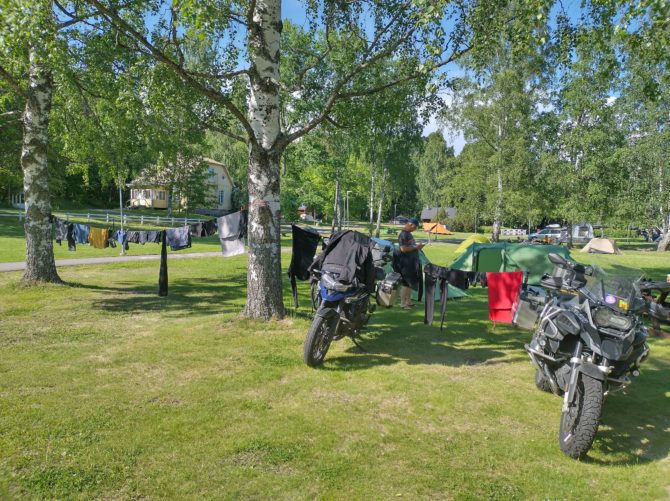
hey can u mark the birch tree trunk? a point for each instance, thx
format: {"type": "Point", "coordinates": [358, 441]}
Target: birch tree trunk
{"type": "Point", "coordinates": [381, 202]}
{"type": "Point", "coordinates": [497, 217]}
{"type": "Point", "coordinates": [40, 263]}
{"type": "Point", "coordinates": [264, 281]}
{"type": "Point", "coordinates": [336, 208]}
{"type": "Point", "coordinates": [372, 200]}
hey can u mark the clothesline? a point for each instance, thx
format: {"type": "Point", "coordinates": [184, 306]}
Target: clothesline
{"type": "Point", "coordinates": [231, 228]}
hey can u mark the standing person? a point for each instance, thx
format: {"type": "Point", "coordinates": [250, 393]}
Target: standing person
{"type": "Point", "coordinates": [407, 263]}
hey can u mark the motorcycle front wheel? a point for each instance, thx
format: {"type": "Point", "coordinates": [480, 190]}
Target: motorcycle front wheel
{"type": "Point", "coordinates": [319, 337]}
{"type": "Point", "coordinates": [579, 424]}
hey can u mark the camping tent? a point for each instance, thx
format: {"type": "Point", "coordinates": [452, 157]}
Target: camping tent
{"type": "Point", "coordinates": [503, 256]}
{"type": "Point", "coordinates": [436, 229]}
{"type": "Point", "coordinates": [601, 246]}
{"type": "Point", "coordinates": [472, 239]}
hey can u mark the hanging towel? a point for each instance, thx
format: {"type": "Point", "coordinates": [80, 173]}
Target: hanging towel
{"type": "Point", "coordinates": [134, 237]}
{"type": "Point", "coordinates": [305, 243]}
{"type": "Point", "coordinates": [153, 237]}
{"type": "Point", "coordinates": [121, 236]}
{"type": "Point", "coordinates": [178, 238]}
{"type": "Point", "coordinates": [229, 235]}
{"type": "Point", "coordinates": [81, 232]}
{"type": "Point", "coordinates": [99, 238]}
{"type": "Point", "coordinates": [504, 287]}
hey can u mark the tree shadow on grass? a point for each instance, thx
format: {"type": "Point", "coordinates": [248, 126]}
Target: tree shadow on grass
{"type": "Point", "coordinates": [395, 336]}
{"type": "Point", "coordinates": [186, 297]}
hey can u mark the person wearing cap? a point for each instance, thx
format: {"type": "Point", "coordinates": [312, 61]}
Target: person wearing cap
{"type": "Point", "coordinates": [408, 264]}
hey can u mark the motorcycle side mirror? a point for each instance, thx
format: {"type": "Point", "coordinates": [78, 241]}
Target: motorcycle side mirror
{"type": "Point", "coordinates": [557, 260]}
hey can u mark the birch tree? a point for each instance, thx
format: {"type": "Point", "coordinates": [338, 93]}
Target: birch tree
{"type": "Point", "coordinates": [28, 36]}
{"type": "Point", "coordinates": [328, 65]}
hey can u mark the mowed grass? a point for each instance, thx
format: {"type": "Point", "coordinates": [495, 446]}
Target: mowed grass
{"type": "Point", "coordinates": [109, 391]}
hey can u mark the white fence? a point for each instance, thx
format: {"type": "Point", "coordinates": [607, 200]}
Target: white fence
{"type": "Point", "coordinates": [511, 232]}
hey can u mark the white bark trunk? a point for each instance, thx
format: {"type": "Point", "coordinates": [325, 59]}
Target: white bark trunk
{"type": "Point", "coordinates": [40, 263]}
{"type": "Point", "coordinates": [336, 208]}
{"type": "Point", "coordinates": [372, 200]}
{"type": "Point", "coordinates": [381, 202]}
{"type": "Point", "coordinates": [264, 278]}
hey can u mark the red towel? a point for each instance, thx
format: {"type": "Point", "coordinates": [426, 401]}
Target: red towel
{"type": "Point", "coordinates": [504, 288]}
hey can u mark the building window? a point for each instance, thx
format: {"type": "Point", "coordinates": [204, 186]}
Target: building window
{"type": "Point", "coordinates": [161, 195]}
{"type": "Point", "coordinates": [222, 195]}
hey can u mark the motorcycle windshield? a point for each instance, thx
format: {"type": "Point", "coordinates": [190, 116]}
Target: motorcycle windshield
{"type": "Point", "coordinates": [616, 288]}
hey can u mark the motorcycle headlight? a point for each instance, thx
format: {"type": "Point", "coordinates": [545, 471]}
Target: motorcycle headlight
{"type": "Point", "coordinates": [604, 317]}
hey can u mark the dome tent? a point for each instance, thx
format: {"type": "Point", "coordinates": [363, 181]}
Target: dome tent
{"type": "Point", "coordinates": [503, 256]}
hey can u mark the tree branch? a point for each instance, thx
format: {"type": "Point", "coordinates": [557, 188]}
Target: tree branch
{"type": "Point", "coordinates": [12, 82]}
{"type": "Point", "coordinates": [283, 140]}
{"type": "Point", "coordinates": [157, 54]}
{"type": "Point", "coordinates": [225, 132]}
{"type": "Point", "coordinates": [393, 83]}
{"type": "Point", "coordinates": [10, 113]}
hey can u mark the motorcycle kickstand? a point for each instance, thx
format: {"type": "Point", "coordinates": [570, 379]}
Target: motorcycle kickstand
{"type": "Point", "coordinates": [353, 338]}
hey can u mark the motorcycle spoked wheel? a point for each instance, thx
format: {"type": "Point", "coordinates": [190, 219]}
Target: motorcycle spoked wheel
{"type": "Point", "coordinates": [579, 424]}
{"type": "Point", "coordinates": [319, 337]}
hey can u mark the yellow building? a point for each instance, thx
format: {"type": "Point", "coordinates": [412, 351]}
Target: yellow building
{"type": "Point", "coordinates": [151, 191]}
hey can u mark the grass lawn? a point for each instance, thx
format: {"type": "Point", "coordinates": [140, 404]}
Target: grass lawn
{"type": "Point", "coordinates": [108, 391]}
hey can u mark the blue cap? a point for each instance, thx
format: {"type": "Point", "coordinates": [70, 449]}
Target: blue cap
{"type": "Point", "coordinates": [414, 221]}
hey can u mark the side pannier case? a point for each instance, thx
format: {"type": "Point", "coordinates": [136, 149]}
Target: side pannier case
{"type": "Point", "coordinates": [387, 290]}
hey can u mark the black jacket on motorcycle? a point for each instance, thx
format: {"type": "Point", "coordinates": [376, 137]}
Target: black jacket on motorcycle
{"type": "Point", "coordinates": [348, 256]}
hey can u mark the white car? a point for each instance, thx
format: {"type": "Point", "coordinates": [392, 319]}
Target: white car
{"type": "Point", "coordinates": [548, 234]}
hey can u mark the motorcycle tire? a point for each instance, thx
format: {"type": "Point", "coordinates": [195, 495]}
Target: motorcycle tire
{"type": "Point", "coordinates": [579, 424]}
{"type": "Point", "coordinates": [542, 382]}
{"type": "Point", "coordinates": [315, 295]}
{"type": "Point", "coordinates": [319, 337]}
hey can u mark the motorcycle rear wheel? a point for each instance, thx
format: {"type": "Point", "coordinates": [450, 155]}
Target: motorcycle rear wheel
{"type": "Point", "coordinates": [319, 337]}
{"type": "Point", "coordinates": [579, 424]}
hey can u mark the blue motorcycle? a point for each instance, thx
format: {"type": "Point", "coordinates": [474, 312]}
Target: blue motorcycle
{"type": "Point", "coordinates": [341, 310]}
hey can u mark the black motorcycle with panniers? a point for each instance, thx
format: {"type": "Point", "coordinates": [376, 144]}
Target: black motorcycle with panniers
{"type": "Point", "coordinates": [344, 277]}
{"type": "Point", "coordinates": [588, 340]}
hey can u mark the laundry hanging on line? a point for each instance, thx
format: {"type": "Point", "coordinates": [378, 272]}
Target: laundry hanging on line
{"type": "Point", "coordinates": [230, 234]}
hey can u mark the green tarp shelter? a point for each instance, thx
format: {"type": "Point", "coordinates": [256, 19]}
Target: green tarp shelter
{"type": "Point", "coordinates": [504, 256]}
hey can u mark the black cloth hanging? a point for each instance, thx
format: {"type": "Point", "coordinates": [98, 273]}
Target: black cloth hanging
{"type": "Point", "coordinates": [163, 274]}
{"type": "Point", "coordinates": [408, 265]}
{"type": "Point", "coordinates": [305, 242]}
{"type": "Point", "coordinates": [348, 256]}
{"type": "Point", "coordinates": [435, 274]}
{"type": "Point", "coordinates": [209, 228]}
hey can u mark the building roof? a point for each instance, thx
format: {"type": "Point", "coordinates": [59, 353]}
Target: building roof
{"type": "Point", "coordinates": [430, 213]}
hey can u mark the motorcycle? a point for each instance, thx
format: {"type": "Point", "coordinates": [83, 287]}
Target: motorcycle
{"type": "Point", "coordinates": [343, 309]}
{"type": "Point", "coordinates": [588, 339]}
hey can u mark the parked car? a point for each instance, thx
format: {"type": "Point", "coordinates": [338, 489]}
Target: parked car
{"type": "Point", "coordinates": [400, 220]}
{"type": "Point", "coordinates": [551, 234]}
